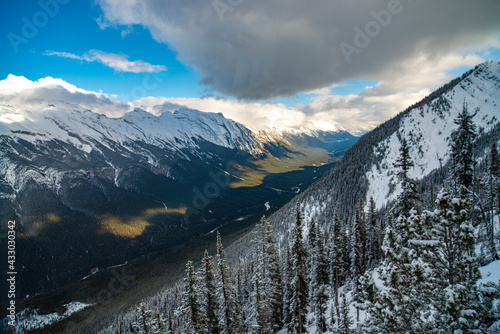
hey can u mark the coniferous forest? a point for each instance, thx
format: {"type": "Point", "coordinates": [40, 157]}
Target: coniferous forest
{"type": "Point", "coordinates": [410, 267]}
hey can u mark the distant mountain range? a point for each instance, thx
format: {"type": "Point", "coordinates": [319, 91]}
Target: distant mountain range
{"type": "Point", "coordinates": [91, 191]}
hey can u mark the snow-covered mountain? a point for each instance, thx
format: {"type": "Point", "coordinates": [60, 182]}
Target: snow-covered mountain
{"type": "Point", "coordinates": [86, 134]}
{"type": "Point", "coordinates": [112, 189]}
{"type": "Point", "coordinates": [366, 170]}
{"type": "Point", "coordinates": [427, 127]}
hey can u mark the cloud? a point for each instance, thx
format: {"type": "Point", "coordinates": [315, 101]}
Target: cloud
{"type": "Point", "coordinates": [262, 49]}
{"type": "Point", "coordinates": [254, 115]}
{"type": "Point", "coordinates": [355, 113]}
{"type": "Point", "coordinates": [118, 62]}
{"type": "Point", "coordinates": [24, 93]}
{"type": "Point", "coordinates": [364, 111]}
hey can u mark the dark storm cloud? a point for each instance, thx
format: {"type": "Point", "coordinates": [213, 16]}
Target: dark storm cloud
{"type": "Point", "coordinates": [260, 49]}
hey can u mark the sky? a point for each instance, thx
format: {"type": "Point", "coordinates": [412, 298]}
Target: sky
{"type": "Point", "coordinates": [324, 64]}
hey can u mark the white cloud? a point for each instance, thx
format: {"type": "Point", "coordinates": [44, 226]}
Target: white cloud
{"type": "Point", "coordinates": [118, 62]}
{"type": "Point", "coordinates": [354, 113]}
{"type": "Point", "coordinates": [22, 92]}
{"type": "Point", "coordinates": [416, 79]}
{"type": "Point", "coordinates": [254, 115]}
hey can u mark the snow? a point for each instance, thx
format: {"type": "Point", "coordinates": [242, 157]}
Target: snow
{"type": "Point", "coordinates": [30, 319]}
{"type": "Point", "coordinates": [424, 242]}
{"type": "Point", "coordinates": [85, 130]}
{"type": "Point", "coordinates": [427, 129]}
{"type": "Point", "coordinates": [490, 272]}
{"type": "Point", "coordinates": [80, 127]}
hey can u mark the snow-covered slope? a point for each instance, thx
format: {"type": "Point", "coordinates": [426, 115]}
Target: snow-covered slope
{"type": "Point", "coordinates": [428, 127]}
{"type": "Point", "coordinates": [366, 170]}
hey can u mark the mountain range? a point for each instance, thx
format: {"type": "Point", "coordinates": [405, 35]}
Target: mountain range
{"type": "Point", "coordinates": [91, 191]}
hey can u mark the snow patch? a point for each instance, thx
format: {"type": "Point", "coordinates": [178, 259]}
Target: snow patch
{"type": "Point", "coordinates": [28, 320]}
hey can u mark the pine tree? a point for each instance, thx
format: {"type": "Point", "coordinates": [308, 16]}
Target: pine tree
{"type": "Point", "coordinates": [246, 295]}
{"type": "Point", "coordinates": [462, 150]}
{"type": "Point", "coordinates": [495, 172]}
{"type": "Point", "coordinates": [287, 288]}
{"type": "Point", "coordinates": [345, 321]}
{"type": "Point", "coordinates": [318, 277]}
{"type": "Point", "coordinates": [191, 309]}
{"type": "Point", "coordinates": [265, 298]}
{"type": "Point", "coordinates": [230, 314]}
{"type": "Point", "coordinates": [312, 240]}
{"type": "Point", "coordinates": [358, 246]}
{"type": "Point", "coordinates": [372, 235]}
{"type": "Point", "coordinates": [402, 306]}
{"type": "Point", "coordinates": [454, 266]}
{"type": "Point", "coordinates": [337, 273]}
{"type": "Point", "coordinates": [208, 292]}
{"type": "Point", "coordinates": [298, 283]}
{"type": "Point", "coordinates": [259, 322]}
{"type": "Point", "coordinates": [409, 197]}
{"type": "Point", "coordinates": [144, 323]}
{"type": "Point", "coordinates": [160, 325]}
{"type": "Point", "coordinates": [492, 194]}
{"type": "Point", "coordinates": [274, 285]}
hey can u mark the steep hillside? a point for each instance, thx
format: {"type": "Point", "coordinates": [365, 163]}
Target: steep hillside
{"type": "Point", "coordinates": [366, 170]}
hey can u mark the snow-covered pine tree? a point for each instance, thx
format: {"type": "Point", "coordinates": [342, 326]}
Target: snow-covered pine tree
{"type": "Point", "coordinates": [495, 172]}
{"type": "Point", "coordinates": [345, 320]}
{"type": "Point", "coordinates": [191, 309]}
{"type": "Point", "coordinates": [247, 289]}
{"type": "Point", "coordinates": [260, 312]}
{"type": "Point", "coordinates": [144, 323]}
{"type": "Point", "coordinates": [274, 285]}
{"type": "Point", "coordinates": [358, 246]}
{"type": "Point", "coordinates": [400, 305]}
{"type": "Point", "coordinates": [337, 248]}
{"type": "Point", "coordinates": [358, 264]}
{"type": "Point", "coordinates": [318, 281]}
{"type": "Point", "coordinates": [230, 314]}
{"type": "Point", "coordinates": [492, 184]}
{"type": "Point", "coordinates": [298, 283]}
{"type": "Point", "coordinates": [462, 151]}
{"type": "Point", "coordinates": [259, 316]}
{"type": "Point", "coordinates": [312, 240]}
{"type": "Point", "coordinates": [208, 295]}
{"type": "Point", "coordinates": [161, 324]}
{"type": "Point", "coordinates": [287, 288]}
{"type": "Point", "coordinates": [409, 197]}
{"type": "Point", "coordinates": [372, 235]}
{"type": "Point", "coordinates": [454, 266]}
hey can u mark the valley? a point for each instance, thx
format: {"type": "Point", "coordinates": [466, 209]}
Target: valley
{"type": "Point", "coordinates": [91, 192]}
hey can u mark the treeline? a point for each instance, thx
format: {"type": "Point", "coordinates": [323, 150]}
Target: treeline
{"type": "Point", "coordinates": [410, 269]}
